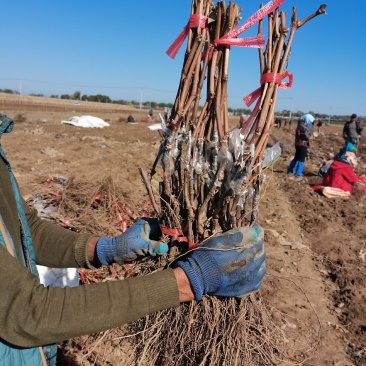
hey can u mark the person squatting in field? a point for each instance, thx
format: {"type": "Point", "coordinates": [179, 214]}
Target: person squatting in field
{"type": "Point", "coordinates": [33, 317]}
{"type": "Point", "coordinates": [325, 166]}
{"type": "Point", "coordinates": [302, 135]}
{"type": "Point", "coordinates": [341, 173]}
{"type": "Point", "coordinates": [131, 119]}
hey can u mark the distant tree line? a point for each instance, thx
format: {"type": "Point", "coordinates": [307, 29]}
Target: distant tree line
{"type": "Point", "coordinates": [150, 104]}
{"type": "Point", "coordinates": [9, 91]}
{"type": "Point", "coordinates": [325, 117]}
{"type": "Point", "coordinates": [106, 99]}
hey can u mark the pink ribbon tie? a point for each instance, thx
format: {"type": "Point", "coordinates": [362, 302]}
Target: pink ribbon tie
{"type": "Point", "coordinates": [229, 39]}
{"type": "Point", "coordinates": [195, 21]}
{"type": "Point", "coordinates": [269, 77]}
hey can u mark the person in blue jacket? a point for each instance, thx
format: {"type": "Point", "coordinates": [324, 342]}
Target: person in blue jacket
{"type": "Point", "coordinates": [302, 134]}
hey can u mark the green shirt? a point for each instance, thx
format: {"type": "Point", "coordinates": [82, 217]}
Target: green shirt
{"type": "Point", "coordinates": [32, 315]}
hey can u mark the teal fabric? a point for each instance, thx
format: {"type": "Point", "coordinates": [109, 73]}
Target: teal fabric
{"type": "Point", "coordinates": [11, 355]}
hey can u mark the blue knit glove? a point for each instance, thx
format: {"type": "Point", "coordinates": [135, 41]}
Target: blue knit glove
{"type": "Point", "coordinates": [139, 240]}
{"type": "Point", "coordinates": [231, 264]}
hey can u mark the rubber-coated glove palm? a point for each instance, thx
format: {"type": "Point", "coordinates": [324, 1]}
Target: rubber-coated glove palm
{"type": "Point", "coordinates": [139, 240]}
{"type": "Point", "coordinates": [231, 264]}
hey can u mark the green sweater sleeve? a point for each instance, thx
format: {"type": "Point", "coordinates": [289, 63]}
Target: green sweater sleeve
{"type": "Point", "coordinates": [55, 246]}
{"type": "Point", "coordinates": [32, 315]}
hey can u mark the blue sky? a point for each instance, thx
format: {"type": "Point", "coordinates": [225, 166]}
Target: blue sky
{"type": "Point", "coordinates": [117, 48]}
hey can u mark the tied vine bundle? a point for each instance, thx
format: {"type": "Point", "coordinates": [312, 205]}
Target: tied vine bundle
{"type": "Point", "coordinates": [212, 177]}
{"type": "Point", "coordinates": [210, 181]}
{"type": "Point", "coordinates": [202, 190]}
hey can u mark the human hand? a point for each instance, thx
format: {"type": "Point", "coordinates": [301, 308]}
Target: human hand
{"type": "Point", "coordinates": [139, 240]}
{"type": "Point", "coordinates": [231, 264]}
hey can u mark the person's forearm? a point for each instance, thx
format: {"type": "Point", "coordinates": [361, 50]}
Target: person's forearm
{"type": "Point", "coordinates": [54, 314]}
{"type": "Point", "coordinates": [55, 246]}
{"type": "Point", "coordinates": [184, 286]}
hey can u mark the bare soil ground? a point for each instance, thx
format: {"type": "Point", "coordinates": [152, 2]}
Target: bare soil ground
{"type": "Point", "coordinates": [315, 284]}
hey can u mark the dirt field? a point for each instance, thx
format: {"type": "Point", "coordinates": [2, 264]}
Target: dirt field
{"type": "Point", "coordinates": [316, 246]}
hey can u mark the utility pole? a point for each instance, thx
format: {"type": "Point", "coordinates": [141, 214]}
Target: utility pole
{"type": "Point", "coordinates": [292, 104]}
{"type": "Point", "coordinates": [330, 110]}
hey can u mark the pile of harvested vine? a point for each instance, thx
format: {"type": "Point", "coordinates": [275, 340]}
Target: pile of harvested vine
{"type": "Point", "coordinates": [96, 205]}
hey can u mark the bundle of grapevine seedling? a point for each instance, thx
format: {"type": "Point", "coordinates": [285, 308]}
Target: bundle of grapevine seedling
{"type": "Point", "coordinates": [212, 176]}
{"type": "Point", "coordinates": [211, 181]}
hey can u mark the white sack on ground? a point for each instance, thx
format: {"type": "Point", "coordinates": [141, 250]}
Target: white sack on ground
{"type": "Point", "coordinates": [86, 121]}
{"type": "Point", "coordinates": [58, 277]}
{"type": "Point", "coordinates": [155, 127]}
{"type": "Point", "coordinates": [158, 126]}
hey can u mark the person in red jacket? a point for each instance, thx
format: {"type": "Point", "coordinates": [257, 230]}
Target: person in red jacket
{"type": "Point", "coordinates": [341, 173]}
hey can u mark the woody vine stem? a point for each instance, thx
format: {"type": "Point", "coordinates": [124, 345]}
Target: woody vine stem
{"type": "Point", "coordinates": [211, 177]}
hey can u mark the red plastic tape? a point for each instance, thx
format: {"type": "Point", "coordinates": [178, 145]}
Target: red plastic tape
{"type": "Point", "coordinates": [195, 21]}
